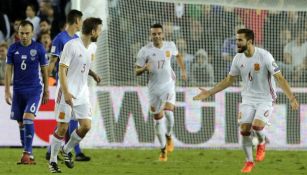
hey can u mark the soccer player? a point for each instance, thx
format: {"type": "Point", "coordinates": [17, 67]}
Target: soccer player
{"type": "Point", "coordinates": [258, 70]}
{"type": "Point", "coordinates": [73, 93]}
{"type": "Point", "coordinates": [155, 58]}
{"type": "Point", "coordinates": [74, 23]}
{"type": "Point", "coordinates": [27, 60]}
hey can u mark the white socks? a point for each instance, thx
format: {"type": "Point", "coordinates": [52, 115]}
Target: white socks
{"type": "Point", "coordinates": [73, 141]}
{"type": "Point", "coordinates": [160, 132]}
{"type": "Point", "coordinates": [55, 145]}
{"type": "Point", "coordinates": [169, 122]}
{"type": "Point", "coordinates": [248, 148]}
{"type": "Point", "coordinates": [261, 136]}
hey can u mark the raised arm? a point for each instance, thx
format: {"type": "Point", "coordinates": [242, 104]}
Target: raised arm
{"type": "Point", "coordinates": [140, 70]}
{"type": "Point", "coordinates": [228, 81]}
{"type": "Point", "coordinates": [141, 64]}
{"type": "Point", "coordinates": [180, 61]}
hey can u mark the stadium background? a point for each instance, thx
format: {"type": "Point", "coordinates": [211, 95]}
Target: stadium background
{"type": "Point", "coordinates": [121, 117]}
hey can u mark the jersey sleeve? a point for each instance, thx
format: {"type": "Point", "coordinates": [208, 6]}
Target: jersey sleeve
{"type": "Point", "coordinates": [67, 54]}
{"type": "Point", "coordinates": [10, 55]}
{"type": "Point", "coordinates": [141, 58]}
{"type": "Point", "coordinates": [271, 64]}
{"type": "Point", "coordinates": [56, 47]}
{"type": "Point", "coordinates": [174, 49]}
{"type": "Point", "coordinates": [42, 56]}
{"type": "Point", "coordinates": [93, 47]}
{"type": "Point", "coordinates": [234, 69]}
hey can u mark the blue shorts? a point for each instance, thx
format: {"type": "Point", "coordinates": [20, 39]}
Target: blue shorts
{"type": "Point", "coordinates": [25, 103]}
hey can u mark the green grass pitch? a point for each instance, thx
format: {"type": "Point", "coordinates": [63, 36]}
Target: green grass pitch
{"type": "Point", "coordinates": [145, 162]}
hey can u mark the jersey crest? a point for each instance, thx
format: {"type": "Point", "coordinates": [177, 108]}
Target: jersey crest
{"type": "Point", "coordinates": [256, 67]}
{"type": "Point", "coordinates": [168, 54]}
{"type": "Point", "coordinates": [33, 52]}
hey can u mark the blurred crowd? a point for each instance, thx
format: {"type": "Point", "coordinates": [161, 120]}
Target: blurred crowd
{"type": "Point", "coordinates": [47, 17]}
{"type": "Point", "coordinates": [205, 35]}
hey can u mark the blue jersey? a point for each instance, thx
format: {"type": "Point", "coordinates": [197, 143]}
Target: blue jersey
{"type": "Point", "coordinates": [27, 62]}
{"type": "Point", "coordinates": [58, 45]}
{"type": "Point", "coordinates": [59, 41]}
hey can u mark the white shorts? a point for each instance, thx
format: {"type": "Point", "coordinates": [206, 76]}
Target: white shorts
{"type": "Point", "coordinates": [65, 113]}
{"type": "Point", "coordinates": [158, 99]}
{"type": "Point", "coordinates": [250, 111]}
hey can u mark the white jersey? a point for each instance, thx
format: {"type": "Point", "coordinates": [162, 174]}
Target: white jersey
{"type": "Point", "coordinates": [78, 60]}
{"type": "Point", "coordinates": [161, 75]}
{"type": "Point", "coordinates": [257, 75]}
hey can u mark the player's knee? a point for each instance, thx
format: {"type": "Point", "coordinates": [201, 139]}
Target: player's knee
{"type": "Point", "coordinates": [245, 133]}
{"type": "Point", "coordinates": [257, 128]}
{"type": "Point", "coordinates": [28, 116]}
{"type": "Point", "coordinates": [158, 116]}
{"type": "Point", "coordinates": [169, 107]}
{"type": "Point", "coordinates": [61, 131]}
{"type": "Point", "coordinates": [85, 128]}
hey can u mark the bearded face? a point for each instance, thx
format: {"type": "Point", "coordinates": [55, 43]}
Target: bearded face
{"type": "Point", "coordinates": [96, 34]}
{"type": "Point", "coordinates": [241, 43]}
{"type": "Point", "coordinates": [241, 49]}
{"type": "Point", "coordinates": [94, 38]}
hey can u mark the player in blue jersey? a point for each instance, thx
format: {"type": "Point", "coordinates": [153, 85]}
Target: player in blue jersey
{"type": "Point", "coordinates": [27, 60]}
{"type": "Point", "coordinates": [74, 23]}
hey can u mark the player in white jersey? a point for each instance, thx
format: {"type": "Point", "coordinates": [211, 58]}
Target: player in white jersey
{"type": "Point", "coordinates": [73, 93]}
{"type": "Point", "coordinates": [155, 58]}
{"type": "Point", "coordinates": [257, 69]}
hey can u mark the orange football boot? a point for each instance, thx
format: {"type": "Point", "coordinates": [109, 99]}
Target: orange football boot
{"type": "Point", "coordinates": [248, 167]}
{"type": "Point", "coordinates": [169, 144]}
{"type": "Point", "coordinates": [163, 155]}
{"type": "Point", "coordinates": [260, 153]}
{"type": "Point", "coordinates": [26, 159]}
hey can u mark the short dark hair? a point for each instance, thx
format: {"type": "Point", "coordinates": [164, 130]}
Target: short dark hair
{"type": "Point", "coordinates": [90, 24]}
{"type": "Point", "coordinates": [33, 7]}
{"type": "Point", "coordinates": [44, 20]}
{"type": "Point", "coordinates": [156, 25]}
{"type": "Point", "coordinates": [249, 34]}
{"type": "Point", "coordinates": [26, 22]}
{"type": "Point", "coordinates": [73, 15]}
{"type": "Point", "coordinates": [41, 34]}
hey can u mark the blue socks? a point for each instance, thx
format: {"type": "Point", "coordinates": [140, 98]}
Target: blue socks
{"type": "Point", "coordinates": [28, 135]}
{"type": "Point", "coordinates": [22, 135]}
